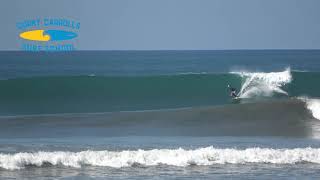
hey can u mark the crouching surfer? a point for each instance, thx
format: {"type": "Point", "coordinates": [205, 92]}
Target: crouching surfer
{"type": "Point", "coordinates": [233, 92]}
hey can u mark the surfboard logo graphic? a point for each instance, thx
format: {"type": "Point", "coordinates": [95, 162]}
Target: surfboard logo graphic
{"type": "Point", "coordinates": [47, 35]}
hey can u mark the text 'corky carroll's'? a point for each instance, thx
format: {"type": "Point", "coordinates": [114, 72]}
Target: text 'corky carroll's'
{"type": "Point", "coordinates": [48, 34]}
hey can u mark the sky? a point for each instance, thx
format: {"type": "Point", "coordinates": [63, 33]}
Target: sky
{"type": "Point", "coordinates": [174, 24]}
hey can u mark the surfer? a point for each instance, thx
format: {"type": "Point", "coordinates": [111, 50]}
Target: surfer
{"type": "Point", "coordinates": [233, 92]}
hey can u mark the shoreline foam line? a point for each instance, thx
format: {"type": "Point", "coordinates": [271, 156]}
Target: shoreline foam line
{"type": "Point", "coordinates": [171, 157]}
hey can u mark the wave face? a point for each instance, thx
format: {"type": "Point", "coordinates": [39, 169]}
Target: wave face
{"type": "Point", "coordinates": [287, 118]}
{"type": "Point", "coordinates": [72, 94]}
{"type": "Point", "coordinates": [172, 157]}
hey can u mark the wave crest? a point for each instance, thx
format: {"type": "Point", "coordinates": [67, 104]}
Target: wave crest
{"type": "Point", "coordinates": [313, 105]}
{"type": "Point", "coordinates": [263, 84]}
{"type": "Point", "coordinates": [174, 157]}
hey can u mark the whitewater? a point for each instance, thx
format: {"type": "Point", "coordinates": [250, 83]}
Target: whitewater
{"type": "Point", "coordinates": [313, 105]}
{"type": "Point", "coordinates": [262, 84]}
{"type": "Point", "coordinates": [259, 84]}
{"type": "Point", "coordinates": [171, 157]}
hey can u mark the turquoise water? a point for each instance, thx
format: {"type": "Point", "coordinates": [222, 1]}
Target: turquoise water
{"type": "Point", "coordinates": [160, 114]}
{"type": "Point", "coordinates": [88, 94]}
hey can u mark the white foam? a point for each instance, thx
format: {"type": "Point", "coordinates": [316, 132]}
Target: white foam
{"type": "Point", "coordinates": [263, 84]}
{"type": "Point", "coordinates": [313, 105]}
{"type": "Point", "coordinates": [174, 157]}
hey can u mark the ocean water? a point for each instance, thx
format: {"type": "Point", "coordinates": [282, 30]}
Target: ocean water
{"type": "Point", "coordinates": [160, 115]}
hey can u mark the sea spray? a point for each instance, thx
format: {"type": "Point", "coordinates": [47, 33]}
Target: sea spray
{"type": "Point", "coordinates": [257, 84]}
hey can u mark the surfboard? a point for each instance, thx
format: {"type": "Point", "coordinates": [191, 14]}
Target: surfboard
{"type": "Point", "coordinates": [236, 98]}
{"type": "Point", "coordinates": [235, 101]}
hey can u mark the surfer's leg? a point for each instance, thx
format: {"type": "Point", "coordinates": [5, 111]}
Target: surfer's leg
{"type": "Point", "coordinates": [234, 94]}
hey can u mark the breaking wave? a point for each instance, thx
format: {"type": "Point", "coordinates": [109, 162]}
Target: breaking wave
{"type": "Point", "coordinates": [264, 84]}
{"type": "Point", "coordinates": [171, 157]}
{"type": "Point", "coordinates": [313, 105]}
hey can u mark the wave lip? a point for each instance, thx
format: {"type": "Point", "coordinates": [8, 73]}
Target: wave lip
{"type": "Point", "coordinates": [263, 84]}
{"type": "Point", "coordinates": [173, 157]}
